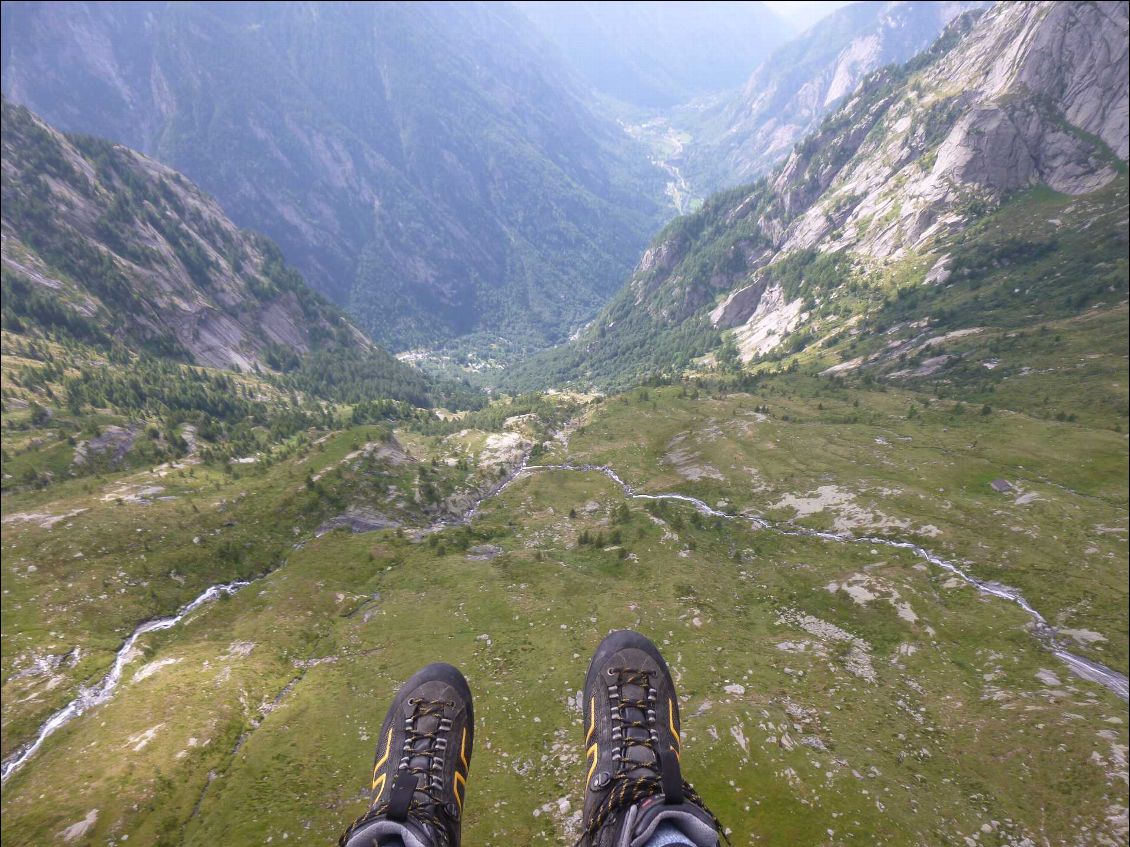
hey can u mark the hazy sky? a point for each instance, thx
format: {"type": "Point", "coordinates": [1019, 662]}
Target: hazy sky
{"type": "Point", "coordinates": [804, 13]}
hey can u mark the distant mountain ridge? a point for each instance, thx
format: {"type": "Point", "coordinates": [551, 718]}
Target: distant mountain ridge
{"type": "Point", "coordinates": [742, 136]}
{"type": "Point", "coordinates": [1031, 95]}
{"type": "Point", "coordinates": [108, 248]}
{"type": "Point", "coordinates": [427, 166]}
{"type": "Point", "coordinates": [655, 54]}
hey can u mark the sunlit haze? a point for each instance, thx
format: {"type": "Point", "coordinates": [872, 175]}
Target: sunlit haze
{"type": "Point", "coordinates": [802, 14]}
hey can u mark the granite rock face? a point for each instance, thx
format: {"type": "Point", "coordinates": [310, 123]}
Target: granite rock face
{"type": "Point", "coordinates": [1042, 79]}
{"type": "Point", "coordinates": [137, 250]}
{"type": "Point", "coordinates": [1016, 96]}
{"type": "Point", "coordinates": [736, 309]}
{"type": "Point", "coordinates": [786, 96]}
{"type": "Point", "coordinates": [1034, 93]}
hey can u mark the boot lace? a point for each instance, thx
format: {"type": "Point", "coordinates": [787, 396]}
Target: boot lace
{"type": "Point", "coordinates": [423, 757]}
{"type": "Point", "coordinates": [637, 777]}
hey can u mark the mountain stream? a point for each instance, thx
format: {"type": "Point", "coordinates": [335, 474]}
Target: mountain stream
{"type": "Point", "coordinates": [1044, 632]}
{"type": "Point", "coordinates": [88, 698]}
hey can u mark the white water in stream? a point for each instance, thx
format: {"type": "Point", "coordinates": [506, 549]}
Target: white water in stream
{"type": "Point", "coordinates": [1044, 632]}
{"type": "Point", "coordinates": [88, 698]}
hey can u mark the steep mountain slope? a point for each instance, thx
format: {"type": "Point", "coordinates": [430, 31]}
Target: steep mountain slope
{"type": "Point", "coordinates": [742, 136]}
{"type": "Point", "coordinates": [660, 53]}
{"type": "Point", "coordinates": [424, 165]}
{"type": "Point", "coordinates": [111, 250]}
{"type": "Point", "coordinates": [887, 564]}
{"type": "Point", "coordinates": [123, 246]}
{"type": "Point", "coordinates": [883, 197]}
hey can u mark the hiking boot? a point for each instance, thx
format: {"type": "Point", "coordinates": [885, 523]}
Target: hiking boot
{"type": "Point", "coordinates": [420, 774]}
{"type": "Point", "coordinates": [631, 723]}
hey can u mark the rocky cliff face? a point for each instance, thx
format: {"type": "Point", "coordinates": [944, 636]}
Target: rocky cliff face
{"type": "Point", "coordinates": [1036, 93]}
{"type": "Point", "coordinates": [1026, 95]}
{"type": "Point", "coordinates": [428, 166]}
{"type": "Point", "coordinates": [745, 135]}
{"type": "Point", "coordinates": [114, 245]}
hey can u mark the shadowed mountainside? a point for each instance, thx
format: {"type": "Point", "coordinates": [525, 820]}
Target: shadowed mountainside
{"type": "Point", "coordinates": [427, 166]}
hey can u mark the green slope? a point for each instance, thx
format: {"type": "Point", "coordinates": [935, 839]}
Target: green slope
{"type": "Point", "coordinates": [938, 716]}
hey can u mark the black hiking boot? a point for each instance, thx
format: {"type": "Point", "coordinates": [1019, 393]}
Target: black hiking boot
{"type": "Point", "coordinates": [631, 722]}
{"type": "Point", "coordinates": [420, 774]}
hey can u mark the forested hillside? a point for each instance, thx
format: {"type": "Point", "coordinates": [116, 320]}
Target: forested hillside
{"type": "Point", "coordinates": [140, 325]}
{"type": "Point", "coordinates": [428, 167]}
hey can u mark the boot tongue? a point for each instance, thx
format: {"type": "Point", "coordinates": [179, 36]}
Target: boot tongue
{"type": "Point", "coordinates": [421, 756]}
{"type": "Point", "coordinates": [638, 754]}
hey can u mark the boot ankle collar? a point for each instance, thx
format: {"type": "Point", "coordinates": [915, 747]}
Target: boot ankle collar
{"type": "Point", "coordinates": [369, 835]}
{"type": "Point", "coordinates": [643, 819]}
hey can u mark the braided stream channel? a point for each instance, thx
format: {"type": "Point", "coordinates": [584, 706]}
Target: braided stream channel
{"type": "Point", "coordinates": [1044, 632]}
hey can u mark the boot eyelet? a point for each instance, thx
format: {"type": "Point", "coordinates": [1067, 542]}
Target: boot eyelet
{"type": "Point", "coordinates": [600, 780]}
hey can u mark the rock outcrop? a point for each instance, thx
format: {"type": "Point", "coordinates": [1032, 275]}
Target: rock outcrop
{"type": "Point", "coordinates": [130, 250]}
{"type": "Point", "coordinates": [1021, 95]}
{"type": "Point", "coordinates": [1035, 93]}
{"type": "Point", "coordinates": [786, 96]}
{"type": "Point", "coordinates": [737, 308]}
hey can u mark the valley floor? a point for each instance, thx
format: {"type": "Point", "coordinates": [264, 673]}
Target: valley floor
{"type": "Point", "coordinates": [832, 693]}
